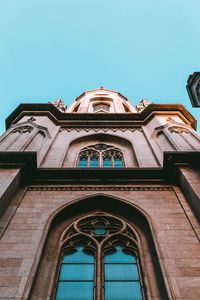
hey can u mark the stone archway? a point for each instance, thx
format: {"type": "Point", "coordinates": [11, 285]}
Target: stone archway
{"type": "Point", "coordinates": [43, 278]}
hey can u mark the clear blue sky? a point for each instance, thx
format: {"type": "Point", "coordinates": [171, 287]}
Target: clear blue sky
{"type": "Point", "coordinates": [60, 48]}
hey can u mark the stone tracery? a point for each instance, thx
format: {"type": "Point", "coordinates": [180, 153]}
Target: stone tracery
{"type": "Point", "coordinates": [100, 236]}
{"type": "Point", "coordinates": [100, 155]}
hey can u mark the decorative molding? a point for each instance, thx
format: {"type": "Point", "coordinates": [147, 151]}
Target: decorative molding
{"type": "Point", "coordinates": [28, 126]}
{"type": "Point", "coordinates": [23, 129]}
{"type": "Point", "coordinates": [170, 120]}
{"type": "Point", "coordinates": [172, 126]}
{"type": "Point", "coordinates": [98, 188]}
{"type": "Point", "coordinates": [31, 119]}
{"type": "Point", "coordinates": [177, 129]}
{"type": "Point", "coordinates": [103, 129]}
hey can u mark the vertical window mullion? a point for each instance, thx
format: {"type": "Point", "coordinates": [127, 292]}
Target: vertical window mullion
{"type": "Point", "coordinates": [88, 163]}
{"type": "Point", "coordinates": [100, 160]}
{"type": "Point", "coordinates": [113, 161]}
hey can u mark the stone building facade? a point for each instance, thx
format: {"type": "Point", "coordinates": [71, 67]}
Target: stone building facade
{"type": "Point", "coordinates": [100, 201]}
{"type": "Point", "coordinates": [193, 88]}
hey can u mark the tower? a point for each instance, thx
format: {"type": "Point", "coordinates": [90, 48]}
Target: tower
{"type": "Point", "coordinates": [193, 88]}
{"type": "Point", "coordinates": [100, 200]}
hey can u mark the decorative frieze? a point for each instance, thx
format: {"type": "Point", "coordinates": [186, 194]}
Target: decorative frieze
{"type": "Point", "coordinates": [98, 188]}
{"type": "Point", "coordinates": [122, 129]}
{"type": "Point", "coordinates": [31, 119]}
{"type": "Point", "coordinates": [23, 129]}
{"type": "Point", "coordinates": [178, 129]}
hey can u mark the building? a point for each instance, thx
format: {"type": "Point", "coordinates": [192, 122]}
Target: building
{"type": "Point", "coordinates": [100, 201]}
{"type": "Point", "coordinates": [193, 88]}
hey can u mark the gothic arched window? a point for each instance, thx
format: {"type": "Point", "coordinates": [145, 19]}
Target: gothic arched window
{"type": "Point", "coordinates": [99, 260]}
{"type": "Point", "coordinates": [101, 107]}
{"type": "Point", "coordinates": [100, 155]}
{"type": "Point", "coordinates": [76, 274]}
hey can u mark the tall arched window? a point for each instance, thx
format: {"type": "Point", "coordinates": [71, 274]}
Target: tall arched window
{"type": "Point", "coordinates": [99, 260]}
{"type": "Point", "coordinates": [100, 155]}
{"type": "Point", "coordinates": [76, 274]}
{"type": "Point", "coordinates": [121, 275]}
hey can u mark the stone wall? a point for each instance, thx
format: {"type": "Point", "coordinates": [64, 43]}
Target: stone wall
{"type": "Point", "coordinates": [173, 224]}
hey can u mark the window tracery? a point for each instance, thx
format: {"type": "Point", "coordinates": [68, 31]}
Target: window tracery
{"type": "Point", "coordinates": [99, 259]}
{"type": "Point", "coordinates": [100, 155]}
{"type": "Point", "coordinates": [101, 107]}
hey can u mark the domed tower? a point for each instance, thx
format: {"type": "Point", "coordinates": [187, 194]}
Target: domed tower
{"type": "Point", "coordinates": [100, 200]}
{"type": "Point", "coordinates": [101, 101]}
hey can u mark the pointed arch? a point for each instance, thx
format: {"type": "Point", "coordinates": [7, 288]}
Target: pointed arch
{"type": "Point", "coordinates": [65, 215]}
{"type": "Point", "coordinates": [25, 136]}
{"type": "Point", "coordinates": [126, 147]}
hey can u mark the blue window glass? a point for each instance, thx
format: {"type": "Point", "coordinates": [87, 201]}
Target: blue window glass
{"type": "Point", "coordinates": [121, 276]}
{"type": "Point", "coordinates": [94, 162]}
{"type": "Point", "coordinates": [122, 290]}
{"type": "Point", "coordinates": [118, 162]}
{"type": "Point", "coordinates": [82, 162]}
{"type": "Point", "coordinates": [99, 229]}
{"type": "Point", "coordinates": [107, 162]}
{"type": "Point", "coordinates": [76, 277]}
{"type": "Point", "coordinates": [74, 290]}
{"type": "Point", "coordinates": [100, 155]}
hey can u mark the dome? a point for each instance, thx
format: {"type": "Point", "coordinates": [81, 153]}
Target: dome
{"type": "Point", "coordinates": [101, 100]}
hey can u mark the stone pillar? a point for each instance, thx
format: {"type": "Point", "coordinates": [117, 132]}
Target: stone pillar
{"type": "Point", "coordinates": [9, 184]}
{"type": "Point", "coordinates": [190, 184]}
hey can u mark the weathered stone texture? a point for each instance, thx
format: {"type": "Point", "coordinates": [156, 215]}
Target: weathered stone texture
{"type": "Point", "coordinates": [174, 232]}
{"type": "Point", "coordinates": [190, 184]}
{"type": "Point", "coordinates": [160, 189]}
{"type": "Point", "coordinates": [9, 184]}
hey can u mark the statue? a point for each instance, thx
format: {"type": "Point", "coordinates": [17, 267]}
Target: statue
{"type": "Point", "coordinates": [60, 104]}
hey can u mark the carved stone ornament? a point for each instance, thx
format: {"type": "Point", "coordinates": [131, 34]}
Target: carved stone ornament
{"type": "Point", "coordinates": [58, 103]}
{"type": "Point", "coordinates": [142, 105]}
{"type": "Point", "coordinates": [31, 119]}
{"type": "Point", "coordinates": [97, 188]}
{"type": "Point", "coordinates": [123, 129]}
{"type": "Point", "coordinates": [99, 227]}
{"type": "Point", "coordinates": [178, 129]}
{"type": "Point", "coordinates": [23, 129]}
{"type": "Point", "coordinates": [170, 120]}
{"type": "Point", "coordinates": [100, 147]}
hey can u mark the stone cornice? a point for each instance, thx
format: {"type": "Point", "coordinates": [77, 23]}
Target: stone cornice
{"type": "Point", "coordinates": [100, 129]}
{"type": "Point", "coordinates": [91, 119]}
{"type": "Point", "coordinates": [27, 161]}
{"type": "Point", "coordinates": [97, 188]}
